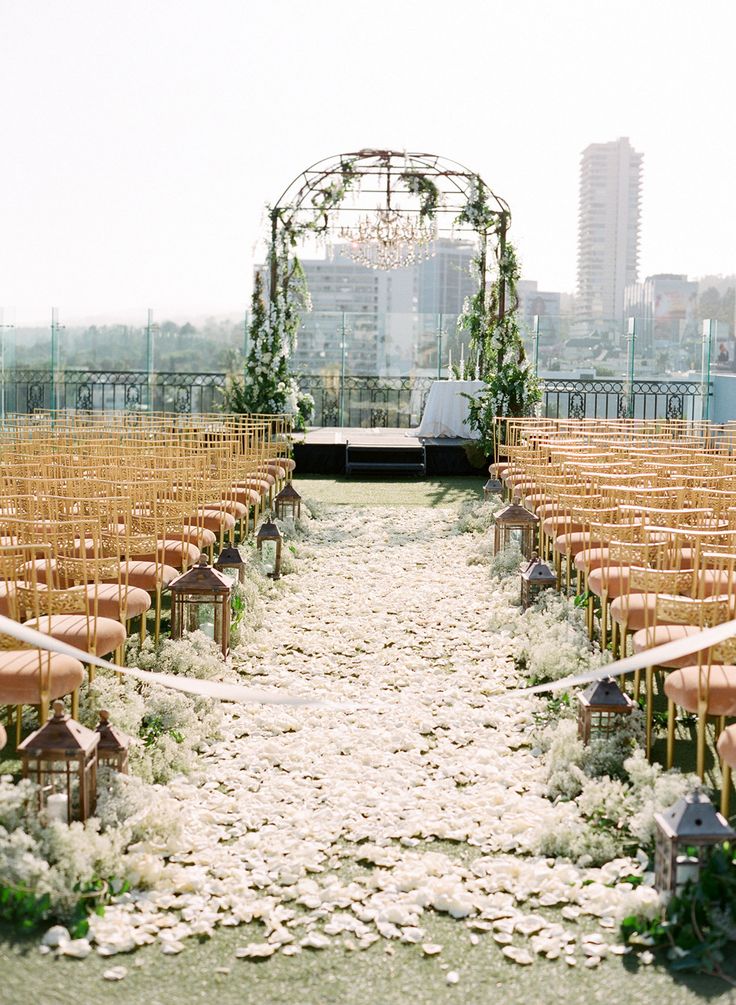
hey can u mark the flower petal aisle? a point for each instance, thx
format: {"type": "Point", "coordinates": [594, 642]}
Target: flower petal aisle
{"type": "Point", "coordinates": [413, 788]}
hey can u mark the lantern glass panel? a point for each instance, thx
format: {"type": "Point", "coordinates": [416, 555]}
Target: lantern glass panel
{"type": "Point", "coordinates": [268, 557]}
{"type": "Point", "coordinates": [688, 864]}
{"type": "Point", "coordinates": [232, 574]}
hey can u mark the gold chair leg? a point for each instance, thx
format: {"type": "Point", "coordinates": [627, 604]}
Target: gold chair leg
{"type": "Point", "coordinates": [649, 685]}
{"type": "Point", "coordinates": [568, 572]}
{"type": "Point", "coordinates": [590, 612]}
{"type": "Point", "coordinates": [18, 724]}
{"type": "Point", "coordinates": [725, 789]}
{"type": "Point", "coordinates": [142, 633]}
{"type": "Point", "coordinates": [614, 638]}
{"type": "Point", "coordinates": [75, 703]}
{"type": "Point", "coordinates": [671, 716]}
{"type": "Point", "coordinates": [157, 621]}
{"type": "Point", "coordinates": [700, 755]}
{"type": "Point", "coordinates": [637, 685]}
{"type": "Point", "coordinates": [604, 621]}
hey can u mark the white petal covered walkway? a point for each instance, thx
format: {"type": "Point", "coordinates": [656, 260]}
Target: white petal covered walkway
{"type": "Point", "coordinates": [412, 790]}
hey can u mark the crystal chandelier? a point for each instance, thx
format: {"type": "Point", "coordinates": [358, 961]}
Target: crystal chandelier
{"type": "Point", "coordinates": [389, 240]}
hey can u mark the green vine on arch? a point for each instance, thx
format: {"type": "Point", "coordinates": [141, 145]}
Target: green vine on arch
{"type": "Point", "coordinates": [497, 351]}
{"type": "Point", "coordinates": [422, 186]}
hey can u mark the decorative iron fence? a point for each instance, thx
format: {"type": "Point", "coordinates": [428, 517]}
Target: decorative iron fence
{"type": "Point", "coordinates": [95, 390]}
{"type": "Point", "coordinates": [351, 401]}
{"type": "Point", "coordinates": [612, 399]}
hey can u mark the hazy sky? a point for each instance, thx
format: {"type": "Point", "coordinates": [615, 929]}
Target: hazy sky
{"type": "Point", "coordinates": [141, 138]}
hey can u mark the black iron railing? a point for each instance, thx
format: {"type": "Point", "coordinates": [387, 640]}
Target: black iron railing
{"type": "Point", "coordinates": [352, 401]}
{"type": "Point", "coordinates": [612, 399]}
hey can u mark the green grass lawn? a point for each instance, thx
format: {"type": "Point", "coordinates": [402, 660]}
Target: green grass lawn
{"type": "Point", "coordinates": [340, 490]}
{"type": "Point", "coordinates": [401, 976]}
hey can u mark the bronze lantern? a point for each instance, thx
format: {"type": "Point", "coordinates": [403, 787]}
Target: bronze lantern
{"type": "Point", "coordinates": [515, 523]}
{"type": "Point", "coordinates": [685, 833]}
{"type": "Point", "coordinates": [230, 563]}
{"type": "Point", "coordinates": [200, 600]}
{"type": "Point", "coordinates": [61, 758]}
{"type": "Point", "coordinates": [112, 750]}
{"type": "Point", "coordinates": [600, 709]}
{"type": "Point", "coordinates": [269, 543]}
{"type": "Point", "coordinates": [288, 503]}
{"type": "Point", "coordinates": [494, 485]}
{"type": "Point", "coordinates": [535, 577]}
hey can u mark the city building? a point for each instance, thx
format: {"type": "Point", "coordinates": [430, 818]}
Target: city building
{"type": "Point", "coordinates": [608, 229]}
{"type": "Point", "coordinates": [665, 306]}
{"type": "Point", "coordinates": [391, 319]}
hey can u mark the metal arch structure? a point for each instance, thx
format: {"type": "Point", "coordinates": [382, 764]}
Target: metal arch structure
{"type": "Point", "coordinates": [305, 205]}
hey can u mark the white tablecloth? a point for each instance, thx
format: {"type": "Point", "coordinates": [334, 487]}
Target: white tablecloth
{"type": "Point", "coordinates": [446, 410]}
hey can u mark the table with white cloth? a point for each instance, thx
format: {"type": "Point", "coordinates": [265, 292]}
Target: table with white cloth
{"type": "Point", "coordinates": [446, 409]}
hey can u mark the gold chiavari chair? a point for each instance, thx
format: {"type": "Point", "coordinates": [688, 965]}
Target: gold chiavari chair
{"type": "Point", "coordinates": [29, 676]}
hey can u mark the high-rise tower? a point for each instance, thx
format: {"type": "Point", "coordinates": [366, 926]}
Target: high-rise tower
{"type": "Point", "coordinates": [608, 228]}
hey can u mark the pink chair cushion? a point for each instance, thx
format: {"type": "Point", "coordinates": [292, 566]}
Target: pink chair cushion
{"type": "Point", "coordinates": [232, 506]}
{"type": "Point", "coordinates": [717, 683]}
{"type": "Point", "coordinates": [98, 635]}
{"type": "Point", "coordinates": [214, 520]}
{"type": "Point", "coordinates": [555, 525]}
{"type": "Point", "coordinates": [613, 580]}
{"type": "Point", "coordinates": [20, 676]}
{"type": "Point", "coordinates": [111, 597]}
{"type": "Point", "coordinates": [201, 536]}
{"type": "Point", "coordinates": [591, 558]}
{"type": "Point", "coordinates": [173, 552]}
{"type": "Point", "coordinates": [649, 638]}
{"type": "Point", "coordinates": [574, 543]}
{"type": "Point", "coordinates": [247, 496]}
{"type": "Point", "coordinates": [635, 610]}
{"type": "Point", "coordinates": [147, 575]}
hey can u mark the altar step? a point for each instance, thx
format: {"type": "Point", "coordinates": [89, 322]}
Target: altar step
{"type": "Point", "coordinates": [406, 458]}
{"type": "Point", "coordinates": [322, 451]}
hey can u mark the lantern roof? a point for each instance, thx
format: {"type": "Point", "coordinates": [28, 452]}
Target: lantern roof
{"type": "Point", "coordinates": [605, 694]}
{"type": "Point", "coordinates": [112, 739]}
{"type": "Point", "coordinates": [229, 558]}
{"type": "Point", "coordinates": [288, 492]}
{"type": "Point", "coordinates": [60, 735]}
{"type": "Point", "coordinates": [695, 817]}
{"type": "Point", "coordinates": [201, 578]}
{"type": "Point", "coordinates": [538, 571]}
{"type": "Point", "coordinates": [268, 531]}
{"type": "Point", "coordinates": [515, 515]}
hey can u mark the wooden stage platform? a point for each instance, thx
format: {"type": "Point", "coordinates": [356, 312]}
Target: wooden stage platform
{"type": "Point", "coordinates": [384, 450]}
{"type": "Point", "coordinates": [380, 436]}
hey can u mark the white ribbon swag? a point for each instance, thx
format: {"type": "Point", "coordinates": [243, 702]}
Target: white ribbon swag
{"type": "Point", "coordinates": [659, 656]}
{"type": "Point", "coordinates": [249, 696]}
{"type": "Point", "coordinates": [204, 688]}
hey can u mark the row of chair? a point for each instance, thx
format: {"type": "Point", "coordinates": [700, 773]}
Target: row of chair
{"type": "Point", "coordinates": [98, 514]}
{"type": "Point", "coordinates": [639, 519]}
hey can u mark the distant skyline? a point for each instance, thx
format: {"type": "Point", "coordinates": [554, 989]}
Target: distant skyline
{"type": "Point", "coordinates": [143, 140]}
